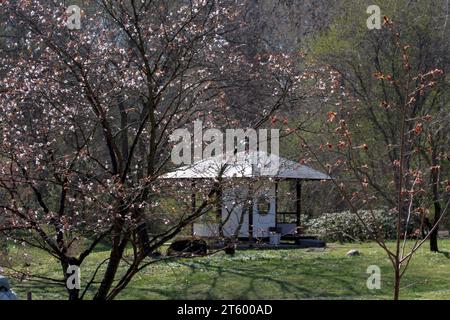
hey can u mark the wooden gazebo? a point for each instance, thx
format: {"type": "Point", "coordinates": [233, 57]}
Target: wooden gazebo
{"type": "Point", "coordinates": [258, 219]}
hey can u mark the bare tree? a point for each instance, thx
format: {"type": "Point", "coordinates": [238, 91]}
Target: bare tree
{"type": "Point", "coordinates": [355, 166]}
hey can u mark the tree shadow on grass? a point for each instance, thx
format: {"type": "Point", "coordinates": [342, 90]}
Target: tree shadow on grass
{"type": "Point", "coordinates": [269, 279]}
{"type": "Point", "coordinates": [251, 278]}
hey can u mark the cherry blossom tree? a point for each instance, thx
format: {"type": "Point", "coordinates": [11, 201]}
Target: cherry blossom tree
{"type": "Point", "coordinates": [86, 117]}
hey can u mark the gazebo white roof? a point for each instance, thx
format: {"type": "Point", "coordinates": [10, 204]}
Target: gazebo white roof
{"type": "Point", "coordinates": [247, 165]}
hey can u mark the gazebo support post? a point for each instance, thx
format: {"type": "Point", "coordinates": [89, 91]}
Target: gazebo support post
{"type": "Point", "coordinates": [193, 204]}
{"type": "Point", "coordinates": [250, 222]}
{"type": "Point", "coordinates": [298, 202]}
{"type": "Point", "coordinates": [276, 203]}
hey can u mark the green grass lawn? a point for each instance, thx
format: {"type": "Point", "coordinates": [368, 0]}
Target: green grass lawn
{"type": "Point", "coordinates": [263, 274]}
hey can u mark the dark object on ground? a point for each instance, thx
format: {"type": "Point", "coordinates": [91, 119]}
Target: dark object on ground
{"type": "Point", "coordinates": [188, 247]}
{"type": "Point", "coordinates": [310, 243]}
{"type": "Point", "coordinates": [230, 248]}
{"type": "Point", "coordinates": [297, 237]}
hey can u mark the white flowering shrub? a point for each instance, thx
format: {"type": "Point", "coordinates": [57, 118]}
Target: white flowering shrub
{"type": "Point", "coordinates": [346, 226]}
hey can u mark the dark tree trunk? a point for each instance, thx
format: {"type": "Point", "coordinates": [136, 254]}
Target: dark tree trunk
{"type": "Point", "coordinates": [434, 235]}
{"type": "Point", "coordinates": [111, 270]}
{"type": "Point", "coordinates": [144, 239]}
{"type": "Point", "coordinates": [74, 294]}
{"type": "Point", "coordinates": [437, 205]}
{"type": "Point", "coordinates": [397, 277]}
{"type": "Point", "coordinates": [118, 247]}
{"type": "Point", "coordinates": [434, 241]}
